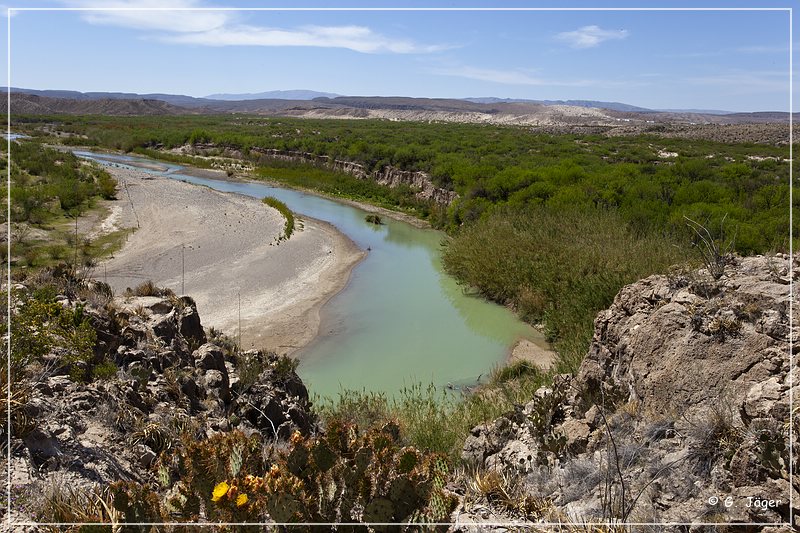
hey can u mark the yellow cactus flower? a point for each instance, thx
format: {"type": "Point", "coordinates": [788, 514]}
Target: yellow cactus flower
{"type": "Point", "coordinates": [241, 500]}
{"type": "Point", "coordinates": [296, 437]}
{"type": "Point", "coordinates": [219, 491]}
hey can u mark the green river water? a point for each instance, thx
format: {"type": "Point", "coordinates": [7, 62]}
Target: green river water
{"type": "Point", "coordinates": [401, 320]}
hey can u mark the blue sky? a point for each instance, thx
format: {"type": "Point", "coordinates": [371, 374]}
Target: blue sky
{"type": "Point", "coordinates": [731, 60]}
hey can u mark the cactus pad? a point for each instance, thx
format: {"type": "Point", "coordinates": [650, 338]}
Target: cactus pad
{"type": "Point", "coordinates": [379, 510]}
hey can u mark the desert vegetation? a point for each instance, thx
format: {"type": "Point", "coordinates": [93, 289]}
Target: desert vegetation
{"type": "Point", "coordinates": [558, 268]}
{"type": "Point", "coordinates": [555, 235]}
{"type": "Point", "coordinates": [288, 216]}
{"type": "Point", "coordinates": [490, 167]}
{"type": "Point", "coordinates": [632, 197]}
{"type": "Point", "coordinates": [551, 224]}
{"type": "Point", "coordinates": [50, 192]}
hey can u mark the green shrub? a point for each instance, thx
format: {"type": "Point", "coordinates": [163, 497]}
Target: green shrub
{"type": "Point", "coordinates": [515, 370]}
{"type": "Point", "coordinates": [556, 267]}
{"type": "Point", "coordinates": [39, 324]}
{"type": "Point", "coordinates": [288, 216]}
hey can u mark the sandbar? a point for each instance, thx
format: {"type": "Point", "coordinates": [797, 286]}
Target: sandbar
{"type": "Point", "coordinates": [222, 249]}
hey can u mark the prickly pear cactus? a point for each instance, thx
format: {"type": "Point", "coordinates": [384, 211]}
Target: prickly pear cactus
{"type": "Point", "coordinates": [284, 508]}
{"type": "Point", "coordinates": [324, 457]}
{"type": "Point", "coordinates": [379, 510]}
{"type": "Point", "coordinates": [345, 475]}
{"type": "Point", "coordinates": [404, 496]}
{"type": "Point", "coordinates": [297, 462]}
{"type": "Point", "coordinates": [235, 461]}
{"type": "Point", "coordinates": [408, 458]}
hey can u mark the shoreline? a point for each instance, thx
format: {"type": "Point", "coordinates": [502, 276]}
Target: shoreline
{"type": "Point", "coordinates": [369, 208]}
{"type": "Point", "coordinates": [293, 331]}
{"type": "Point", "coordinates": [529, 351]}
{"type": "Point", "coordinates": [223, 248]}
{"type": "Point", "coordinates": [218, 174]}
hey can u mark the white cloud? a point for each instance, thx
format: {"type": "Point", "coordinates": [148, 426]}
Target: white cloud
{"type": "Point", "coordinates": [590, 36]}
{"type": "Point", "coordinates": [357, 38]}
{"type": "Point", "coordinates": [223, 28]}
{"type": "Point", "coordinates": [140, 15]}
{"type": "Point", "coordinates": [507, 77]}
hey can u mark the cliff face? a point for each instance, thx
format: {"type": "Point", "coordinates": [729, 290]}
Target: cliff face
{"type": "Point", "coordinates": [679, 412]}
{"type": "Point", "coordinates": [388, 176]}
{"type": "Point", "coordinates": [173, 383]}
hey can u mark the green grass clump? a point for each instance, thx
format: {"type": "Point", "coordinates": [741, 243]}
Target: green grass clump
{"type": "Point", "coordinates": [434, 419]}
{"type": "Point", "coordinates": [288, 227]}
{"type": "Point", "coordinates": [558, 267]}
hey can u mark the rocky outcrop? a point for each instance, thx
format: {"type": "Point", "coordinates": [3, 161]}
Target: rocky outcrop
{"type": "Point", "coordinates": [679, 413]}
{"type": "Point", "coordinates": [420, 182]}
{"type": "Point", "coordinates": [172, 383]}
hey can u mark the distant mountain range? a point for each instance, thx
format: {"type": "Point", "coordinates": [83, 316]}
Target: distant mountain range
{"type": "Point", "coordinates": [294, 94]}
{"type": "Point", "coordinates": [614, 106]}
{"type": "Point", "coordinates": [174, 99]}
{"type": "Point", "coordinates": [313, 104]}
{"type": "Point", "coordinates": [307, 95]}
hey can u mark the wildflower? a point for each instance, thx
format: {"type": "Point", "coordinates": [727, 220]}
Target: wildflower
{"type": "Point", "coordinates": [296, 437]}
{"type": "Point", "coordinates": [219, 491]}
{"type": "Point", "coordinates": [241, 500]}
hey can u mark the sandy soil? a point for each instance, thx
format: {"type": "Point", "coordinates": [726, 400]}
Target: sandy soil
{"type": "Point", "coordinates": [538, 354]}
{"type": "Point", "coordinates": [227, 246]}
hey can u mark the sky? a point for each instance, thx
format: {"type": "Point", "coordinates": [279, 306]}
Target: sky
{"type": "Point", "coordinates": [724, 60]}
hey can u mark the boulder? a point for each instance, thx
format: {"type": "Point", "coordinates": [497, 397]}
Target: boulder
{"type": "Point", "coordinates": [216, 382]}
{"type": "Point", "coordinates": [682, 399]}
{"type": "Point", "coordinates": [210, 357]}
{"type": "Point", "coordinates": [189, 322]}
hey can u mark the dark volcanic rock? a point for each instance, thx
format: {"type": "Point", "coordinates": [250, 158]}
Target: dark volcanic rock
{"type": "Point", "coordinates": [90, 435]}
{"type": "Point", "coordinates": [189, 322]}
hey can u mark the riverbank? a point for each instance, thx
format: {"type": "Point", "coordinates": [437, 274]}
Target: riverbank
{"type": "Point", "coordinates": [248, 178]}
{"type": "Point", "coordinates": [538, 354]}
{"type": "Point", "coordinates": [223, 249]}
{"type": "Point", "coordinates": [217, 174]}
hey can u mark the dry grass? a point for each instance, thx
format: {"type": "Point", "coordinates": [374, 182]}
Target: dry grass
{"type": "Point", "coordinates": [63, 502]}
{"type": "Point", "coordinates": [506, 491]}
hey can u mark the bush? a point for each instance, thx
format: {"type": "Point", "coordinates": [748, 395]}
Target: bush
{"type": "Point", "coordinates": [557, 267]}
{"type": "Point", "coordinates": [39, 324]}
{"type": "Point", "coordinates": [148, 288]}
{"type": "Point", "coordinates": [288, 227]}
{"type": "Point", "coordinates": [346, 475]}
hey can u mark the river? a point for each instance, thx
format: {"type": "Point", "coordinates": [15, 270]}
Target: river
{"type": "Point", "coordinates": [401, 320]}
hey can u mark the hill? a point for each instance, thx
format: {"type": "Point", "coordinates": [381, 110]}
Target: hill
{"type": "Point", "coordinates": [553, 117]}
{"type": "Point", "coordinates": [27, 104]}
